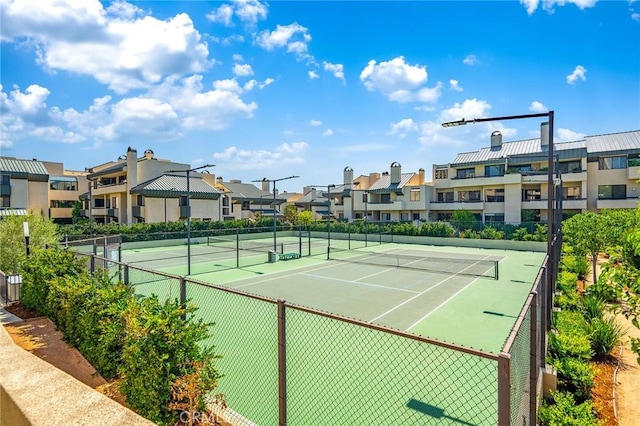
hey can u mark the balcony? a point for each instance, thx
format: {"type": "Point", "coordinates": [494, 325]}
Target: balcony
{"type": "Point", "coordinates": [60, 212]}
{"type": "Point", "coordinates": [540, 204]}
{"type": "Point", "coordinates": [138, 211]}
{"type": "Point", "coordinates": [5, 190]}
{"type": "Point", "coordinates": [620, 203]}
{"type": "Point", "coordinates": [574, 204]}
{"type": "Point", "coordinates": [110, 189]}
{"type": "Point", "coordinates": [113, 212]}
{"type": "Point", "coordinates": [387, 206]}
{"type": "Point", "coordinates": [457, 205]}
{"type": "Point", "coordinates": [633, 172]}
{"type": "Point", "coordinates": [475, 180]}
{"type": "Point", "coordinates": [576, 176]}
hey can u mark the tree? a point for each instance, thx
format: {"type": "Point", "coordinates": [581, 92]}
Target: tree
{"type": "Point", "coordinates": [305, 218]}
{"type": "Point", "coordinates": [587, 234]}
{"type": "Point", "coordinates": [291, 213]}
{"type": "Point", "coordinates": [12, 242]}
{"type": "Point", "coordinates": [462, 220]}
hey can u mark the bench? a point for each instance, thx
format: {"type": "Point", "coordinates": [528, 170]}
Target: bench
{"type": "Point", "coordinates": [289, 256]}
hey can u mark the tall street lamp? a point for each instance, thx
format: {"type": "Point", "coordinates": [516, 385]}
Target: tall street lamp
{"type": "Point", "coordinates": [275, 243]}
{"type": "Point", "coordinates": [551, 273]}
{"type": "Point", "coordinates": [189, 209]}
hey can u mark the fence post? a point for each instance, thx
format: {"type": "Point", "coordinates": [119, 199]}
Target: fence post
{"type": "Point", "coordinates": [533, 360]}
{"type": "Point", "coordinates": [93, 263]}
{"type": "Point", "coordinates": [282, 364]}
{"type": "Point", "coordinates": [504, 389]}
{"type": "Point", "coordinates": [183, 295]}
{"type": "Point", "coordinates": [126, 274]}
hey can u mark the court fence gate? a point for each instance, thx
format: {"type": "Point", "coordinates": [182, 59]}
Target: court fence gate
{"type": "Point", "coordinates": [289, 364]}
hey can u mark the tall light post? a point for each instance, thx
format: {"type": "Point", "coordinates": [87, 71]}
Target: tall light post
{"type": "Point", "coordinates": [328, 210]}
{"type": "Point", "coordinates": [551, 231]}
{"type": "Point", "coordinates": [275, 243]}
{"type": "Point", "coordinates": [189, 209]}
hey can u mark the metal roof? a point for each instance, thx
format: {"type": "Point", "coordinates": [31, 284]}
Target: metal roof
{"type": "Point", "coordinates": [384, 183]}
{"type": "Point", "coordinates": [614, 142]}
{"type": "Point", "coordinates": [24, 169]}
{"type": "Point", "coordinates": [169, 185]}
{"type": "Point", "coordinates": [527, 147]}
{"type": "Point", "coordinates": [12, 212]}
{"type": "Point", "coordinates": [116, 168]}
{"type": "Point", "coordinates": [316, 198]}
{"type": "Point", "coordinates": [249, 192]}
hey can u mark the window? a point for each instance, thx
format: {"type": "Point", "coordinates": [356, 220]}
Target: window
{"type": "Point", "coordinates": [108, 181]}
{"type": "Point", "coordinates": [385, 217]}
{"type": "Point", "coordinates": [5, 180]}
{"type": "Point", "coordinates": [612, 192]}
{"type": "Point", "coordinates": [414, 195]}
{"type": "Point", "coordinates": [494, 218]}
{"type": "Point", "coordinates": [445, 197]}
{"type": "Point", "coordinates": [466, 173]}
{"type": "Point", "coordinates": [468, 196]}
{"type": "Point", "coordinates": [114, 202]}
{"type": "Point", "coordinates": [5, 201]}
{"type": "Point", "coordinates": [225, 201]}
{"type": "Point", "coordinates": [634, 160]}
{"type": "Point", "coordinates": [608, 163]}
{"type": "Point", "coordinates": [183, 201]}
{"type": "Point", "coordinates": [63, 183]}
{"type": "Point", "coordinates": [571, 193]}
{"type": "Point", "coordinates": [415, 216]}
{"type": "Point", "coordinates": [495, 170]}
{"type": "Point", "coordinates": [364, 197]}
{"type": "Point", "coordinates": [530, 216]}
{"type": "Point", "coordinates": [225, 211]}
{"type": "Point", "coordinates": [245, 205]}
{"type": "Point", "coordinates": [442, 173]}
{"type": "Point", "coordinates": [140, 200]}
{"type": "Point", "coordinates": [570, 166]}
{"type": "Point", "coordinates": [62, 204]}
{"type": "Point", "coordinates": [385, 198]}
{"type": "Point", "coordinates": [494, 195]}
{"type": "Point", "coordinates": [404, 216]}
{"type": "Point", "coordinates": [531, 194]}
{"type": "Point", "coordinates": [444, 217]}
{"type": "Point", "coordinates": [520, 168]}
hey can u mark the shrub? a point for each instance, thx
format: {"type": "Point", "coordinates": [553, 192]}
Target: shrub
{"type": "Point", "coordinates": [567, 281]}
{"type": "Point", "coordinates": [579, 265]}
{"type": "Point", "coordinates": [490, 233]}
{"type": "Point", "coordinates": [564, 411]}
{"type": "Point", "coordinates": [437, 229]}
{"type": "Point", "coordinates": [569, 301]}
{"type": "Point", "coordinates": [592, 308]}
{"type": "Point", "coordinates": [605, 335]}
{"type": "Point", "coordinates": [575, 376]}
{"type": "Point", "coordinates": [604, 291]}
{"type": "Point", "coordinates": [562, 345]}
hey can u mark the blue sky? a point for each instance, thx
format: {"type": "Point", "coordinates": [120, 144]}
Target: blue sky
{"type": "Point", "coordinates": [307, 88]}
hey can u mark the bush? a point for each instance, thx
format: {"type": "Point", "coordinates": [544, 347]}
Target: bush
{"type": "Point", "coordinates": [567, 281]}
{"type": "Point", "coordinates": [592, 308]}
{"type": "Point", "coordinates": [579, 265]}
{"type": "Point", "coordinates": [575, 376]}
{"type": "Point", "coordinates": [605, 335]}
{"type": "Point", "coordinates": [564, 411]}
{"type": "Point", "coordinates": [563, 345]}
{"type": "Point", "coordinates": [569, 301]}
{"type": "Point", "coordinates": [437, 229]}
{"type": "Point", "coordinates": [603, 291]}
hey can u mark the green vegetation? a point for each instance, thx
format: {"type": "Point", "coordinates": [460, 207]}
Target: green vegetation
{"type": "Point", "coordinates": [12, 242]}
{"type": "Point", "coordinates": [148, 345]}
{"type": "Point", "coordinates": [563, 411]}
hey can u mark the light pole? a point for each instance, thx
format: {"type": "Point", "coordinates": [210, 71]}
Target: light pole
{"type": "Point", "coordinates": [275, 243]}
{"type": "Point", "coordinates": [328, 210]}
{"type": "Point", "coordinates": [25, 230]}
{"type": "Point", "coordinates": [551, 232]}
{"type": "Point", "coordinates": [189, 209]}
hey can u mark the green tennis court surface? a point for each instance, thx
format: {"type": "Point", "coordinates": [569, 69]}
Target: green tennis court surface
{"type": "Point", "coordinates": [343, 373]}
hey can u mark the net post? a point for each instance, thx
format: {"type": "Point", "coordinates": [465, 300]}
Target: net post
{"type": "Point", "coordinates": [282, 363]}
{"type": "Point", "coordinates": [309, 237]}
{"type": "Point", "coordinates": [93, 263]}
{"type": "Point", "coordinates": [349, 236]}
{"type": "Point", "coordinates": [504, 389]}
{"type": "Point", "coordinates": [328, 252]}
{"type": "Point", "coordinates": [533, 359]}
{"type": "Point", "coordinates": [183, 296]}
{"type": "Point", "coordinates": [497, 274]}
{"type": "Point", "coordinates": [237, 247]}
{"type": "Point", "coordinates": [104, 253]}
{"type": "Point", "coordinates": [300, 242]}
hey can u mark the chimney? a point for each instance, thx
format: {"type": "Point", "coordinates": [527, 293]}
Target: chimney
{"type": "Point", "coordinates": [395, 172]}
{"type": "Point", "coordinates": [496, 140]}
{"type": "Point", "coordinates": [265, 185]}
{"type": "Point", "coordinates": [210, 178]}
{"type": "Point", "coordinates": [347, 176]}
{"type": "Point", "coordinates": [132, 180]}
{"type": "Point", "coordinates": [421, 176]}
{"type": "Point", "coordinates": [148, 154]}
{"type": "Point", "coordinates": [373, 177]}
{"type": "Point", "coordinates": [235, 181]}
{"type": "Point", "coordinates": [544, 134]}
{"type": "Point", "coordinates": [219, 179]}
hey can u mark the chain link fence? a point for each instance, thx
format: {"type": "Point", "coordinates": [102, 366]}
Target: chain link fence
{"type": "Point", "coordinates": [288, 364]}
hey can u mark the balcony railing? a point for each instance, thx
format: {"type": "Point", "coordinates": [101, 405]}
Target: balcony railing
{"type": "Point", "coordinates": [617, 203]}
{"type": "Point", "coordinates": [5, 190]}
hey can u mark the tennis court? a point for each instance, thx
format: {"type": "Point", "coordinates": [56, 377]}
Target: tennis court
{"type": "Point", "coordinates": [340, 372]}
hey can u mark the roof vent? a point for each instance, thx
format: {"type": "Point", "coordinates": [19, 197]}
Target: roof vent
{"type": "Point", "coordinates": [496, 139]}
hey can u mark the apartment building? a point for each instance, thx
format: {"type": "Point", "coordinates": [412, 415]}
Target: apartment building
{"type": "Point", "coordinates": [247, 201]}
{"type": "Point", "coordinates": [42, 187]}
{"type": "Point", "coordinates": [508, 182]}
{"type": "Point", "coordinates": [148, 189]}
{"type": "Point", "coordinates": [390, 196]}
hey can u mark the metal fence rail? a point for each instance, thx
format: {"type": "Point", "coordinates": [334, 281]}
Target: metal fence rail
{"type": "Point", "coordinates": [288, 364]}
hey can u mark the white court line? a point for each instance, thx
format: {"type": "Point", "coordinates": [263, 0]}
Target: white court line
{"type": "Point", "coordinates": [441, 305]}
{"type": "Point", "coordinates": [280, 276]}
{"type": "Point", "coordinates": [359, 283]}
{"type": "Point", "coordinates": [423, 292]}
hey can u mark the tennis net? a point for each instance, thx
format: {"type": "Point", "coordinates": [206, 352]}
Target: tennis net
{"type": "Point", "coordinates": [262, 246]}
{"type": "Point", "coordinates": [452, 266]}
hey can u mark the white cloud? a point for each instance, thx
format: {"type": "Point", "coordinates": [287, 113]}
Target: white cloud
{"type": "Point", "coordinates": [313, 74]}
{"type": "Point", "coordinates": [579, 73]}
{"type": "Point", "coordinates": [538, 107]}
{"type": "Point", "coordinates": [548, 5]}
{"type": "Point", "coordinates": [470, 108]}
{"type": "Point", "coordinates": [399, 81]}
{"type": "Point", "coordinates": [635, 16]}
{"type": "Point", "coordinates": [336, 69]}
{"type": "Point", "coordinates": [402, 127]}
{"type": "Point", "coordinates": [242, 70]}
{"type": "Point", "coordinates": [251, 84]}
{"type": "Point", "coordinates": [566, 135]}
{"type": "Point", "coordinates": [237, 57]}
{"type": "Point", "coordinates": [366, 147]}
{"type": "Point", "coordinates": [470, 60]}
{"type": "Point", "coordinates": [294, 37]}
{"type": "Point", "coordinates": [124, 52]}
{"type": "Point", "coordinates": [139, 118]}
{"type": "Point", "coordinates": [223, 15]}
{"type": "Point", "coordinates": [240, 159]}
{"type": "Point", "coordinates": [227, 41]}
{"type": "Point", "coordinates": [327, 133]}
{"type": "Point", "coordinates": [315, 123]}
{"type": "Point", "coordinates": [453, 85]}
{"type": "Point", "coordinates": [249, 12]}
